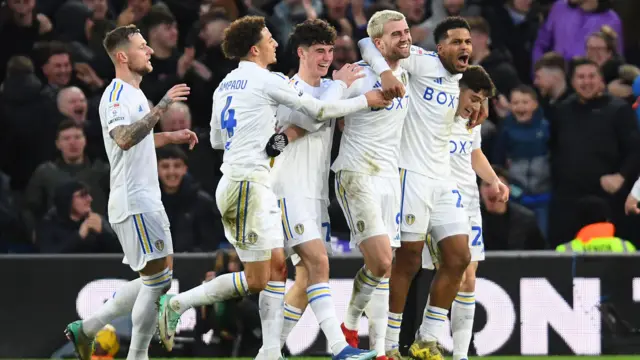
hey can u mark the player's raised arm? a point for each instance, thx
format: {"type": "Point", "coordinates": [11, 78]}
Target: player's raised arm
{"type": "Point", "coordinates": [127, 134]}
{"type": "Point", "coordinates": [281, 91]}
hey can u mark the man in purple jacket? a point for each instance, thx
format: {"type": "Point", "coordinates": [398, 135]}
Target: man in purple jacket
{"type": "Point", "coordinates": [569, 24]}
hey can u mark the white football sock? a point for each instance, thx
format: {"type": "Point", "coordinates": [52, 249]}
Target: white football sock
{"type": "Point", "coordinates": [377, 311]}
{"type": "Point", "coordinates": [433, 323]}
{"type": "Point", "coordinates": [119, 305]}
{"type": "Point", "coordinates": [392, 337]}
{"type": "Point", "coordinates": [321, 303]}
{"type": "Point", "coordinates": [271, 304]}
{"type": "Point", "coordinates": [462, 312]}
{"type": "Point", "coordinates": [221, 288]}
{"type": "Point", "coordinates": [145, 313]}
{"type": "Point", "coordinates": [363, 286]}
{"type": "Point", "coordinates": [291, 317]}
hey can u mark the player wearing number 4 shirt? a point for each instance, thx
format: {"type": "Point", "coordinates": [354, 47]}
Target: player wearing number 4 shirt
{"type": "Point", "coordinates": [243, 120]}
{"type": "Point", "coordinates": [467, 160]}
{"type": "Point", "coordinates": [431, 201]}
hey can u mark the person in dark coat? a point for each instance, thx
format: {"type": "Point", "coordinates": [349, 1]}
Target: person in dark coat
{"type": "Point", "coordinates": [71, 226]}
{"type": "Point", "coordinates": [507, 225]}
{"type": "Point", "coordinates": [196, 224]}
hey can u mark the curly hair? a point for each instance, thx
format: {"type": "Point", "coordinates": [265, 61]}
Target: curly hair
{"type": "Point", "coordinates": [441, 31]}
{"type": "Point", "coordinates": [477, 79]}
{"type": "Point", "coordinates": [241, 35]}
{"type": "Point", "coordinates": [118, 37]}
{"type": "Point", "coordinates": [313, 32]}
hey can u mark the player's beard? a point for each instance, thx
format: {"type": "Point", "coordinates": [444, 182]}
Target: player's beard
{"type": "Point", "coordinates": [142, 70]}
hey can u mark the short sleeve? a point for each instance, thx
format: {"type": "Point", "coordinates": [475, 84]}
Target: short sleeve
{"type": "Point", "coordinates": [477, 137]}
{"type": "Point", "coordinates": [116, 115]}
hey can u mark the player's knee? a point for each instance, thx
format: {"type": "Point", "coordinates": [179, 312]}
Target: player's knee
{"type": "Point", "coordinates": [257, 282]}
{"type": "Point", "coordinates": [408, 260]}
{"type": "Point", "coordinates": [458, 263]}
{"type": "Point", "coordinates": [382, 266]}
{"type": "Point", "coordinates": [278, 267]}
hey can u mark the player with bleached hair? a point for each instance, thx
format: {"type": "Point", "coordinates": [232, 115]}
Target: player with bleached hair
{"type": "Point", "coordinates": [243, 122]}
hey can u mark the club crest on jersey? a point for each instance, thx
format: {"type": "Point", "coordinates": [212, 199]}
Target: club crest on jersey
{"type": "Point", "coordinates": [159, 245]}
{"type": "Point", "coordinates": [360, 225]}
{"type": "Point", "coordinates": [404, 79]}
{"type": "Point", "coordinates": [252, 238]}
{"type": "Point", "coordinates": [299, 228]}
{"type": "Point", "coordinates": [410, 219]}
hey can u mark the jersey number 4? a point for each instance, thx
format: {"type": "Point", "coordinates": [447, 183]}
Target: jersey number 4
{"type": "Point", "coordinates": [228, 119]}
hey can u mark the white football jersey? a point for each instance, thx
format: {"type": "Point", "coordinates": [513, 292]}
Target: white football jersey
{"type": "Point", "coordinates": [371, 138]}
{"type": "Point", "coordinates": [427, 130]}
{"type": "Point", "coordinates": [134, 173]}
{"type": "Point", "coordinates": [244, 117]}
{"type": "Point", "coordinates": [302, 169]}
{"type": "Point", "coordinates": [463, 142]}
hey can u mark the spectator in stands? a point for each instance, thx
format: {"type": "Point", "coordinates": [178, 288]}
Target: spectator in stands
{"type": "Point", "coordinates": [235, 323]}
{"type": "Point", "coordinates": [71, 226]}
{"type": "Point", "coordinates": [204, 162]}
{"type": "Point", "coordinates": [27, 129]}
{"type": "Point", "coordinates": [415, 13]}
{"type": "Point", "coordinates": [21, 27]}
{"type": "Point", "coordinates": [72, 164]}
{"type": "Point", "coordinates": [344, 52]}
{"type": "Point", "coordinates": [497, 62]}
{"type": "Point", "coordinates": [288, 13]}
{"type": "Point", "coordinates": [13, 234]}
{"type": "Point", "coordinates": [601, 49]}
{"type": "Point", "coordinates": [99, 9]}
{"type": "Point", "coordinates": [523, 147]}
{"type": "Point", "coordinates": [135, 11]}
{"type": "Point", "coordinates": [514, 26]}
{"type": "Point", "coordinates": [570, 23]}
{"type": "Point", "coordinates": [596, 232]}
{"type": "Point", "coordinates": [440, 9]}
{"type": "Point", "coordinates": [550, 78]}
{"type": "Point", "coordinates": [57, 67]}
{"type": "Point", "coordinates": [72, 104]}
{"type": "Point", "coordinates": [594, 148]}
{"type": "Point", "coordinates": [507, 225]}
{"type": "Point", "coordinates": [195, 221]}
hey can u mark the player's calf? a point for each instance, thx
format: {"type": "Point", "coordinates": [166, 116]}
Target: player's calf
{"type": "Point", "coordinates": [462, 313]}
{"type": "Point", "coordinates": [271, 304]}
{"type": "Point", "coordinates": [295, 302]}
{"type": "Point", "coordinates": [156, 280]}
{"type": "Point", "coordinates": [405, 267]}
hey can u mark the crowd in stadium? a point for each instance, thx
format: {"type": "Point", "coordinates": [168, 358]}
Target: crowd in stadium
{"type": "Point", "coordinates": [562, 130]}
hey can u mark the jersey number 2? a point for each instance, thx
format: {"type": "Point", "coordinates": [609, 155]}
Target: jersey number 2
{"type": "Point", "coordinates": [228, 117]}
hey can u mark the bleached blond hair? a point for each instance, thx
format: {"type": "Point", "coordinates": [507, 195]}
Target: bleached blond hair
{"type": "Point", "coordinates": [375, 27]}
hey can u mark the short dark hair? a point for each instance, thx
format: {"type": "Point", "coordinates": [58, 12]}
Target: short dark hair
{"type": "Point", "coordinates": [477, 79]}
{"type": "Point", "coordinates": [551, 60]}
{"type": "Point", "coordinates": [211, 16]}
{"type": "Point", "coordinates": [171, 152]}
{"type": "Point", "coordinates": [526, 89]}
{"type": "Point", "coordinates": [313, 32]}
{"type": "Point", "coordinates": [19, 65]}
{"type": "Point", "coordinates": [118, 37]}
{"type": "Point", "coordinates": [592, 209]}
{"type": "Point", "coordinates": [453, 22]}
{"type": "Point", "coordinates": [67, 124]}
{"type": "Point", "coordinates": [55, 48]}
{"type": "Point", "coordinates": [159, 16]}
{"type": "Point", "coordinates": [582, 61]}
{"type": "Point", "coordinates": [241, 35]}
{"type": "Point", "coordinates": [479, 24]}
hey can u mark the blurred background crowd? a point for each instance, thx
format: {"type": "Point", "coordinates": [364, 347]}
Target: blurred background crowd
{"type": "Point", "coordinates": [563, 129]}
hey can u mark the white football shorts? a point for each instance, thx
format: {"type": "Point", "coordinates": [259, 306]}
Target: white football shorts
{"type": "Point", "coordinates": [303, 220]}
{"type": "Point", "coordinates": [430, 206]}
{"type": "Point", "coordinates": [371, 205]}
{"type": "Point", "coordinates": [144, 237]}
{"type": "Point", "coordinates": [251, 218]}
{"type": "Point", "coordinates": [431, 255]}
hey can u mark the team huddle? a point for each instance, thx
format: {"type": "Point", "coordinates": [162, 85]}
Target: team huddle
{"type": "Point", "coordinates": [405, 177]}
